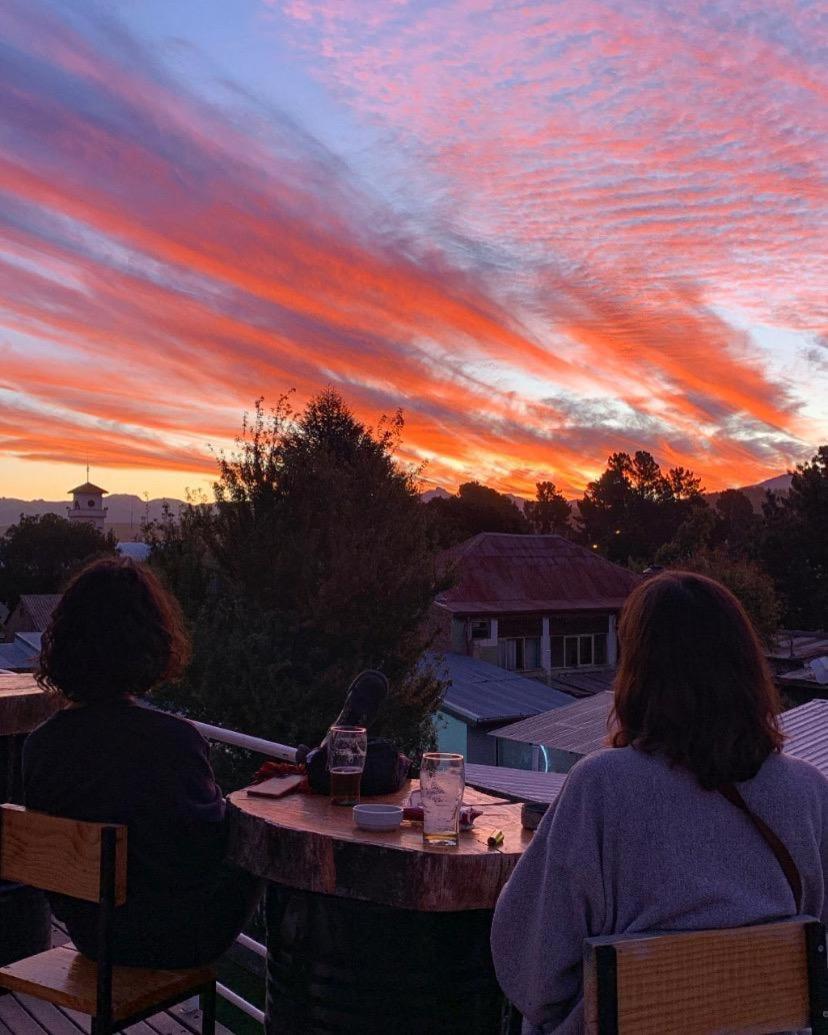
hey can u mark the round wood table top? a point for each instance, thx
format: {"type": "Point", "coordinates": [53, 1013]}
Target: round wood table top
{"type": "Point", "coordinates": [23, 705]}
{"type": "Point", "coordinates": [304, 842]}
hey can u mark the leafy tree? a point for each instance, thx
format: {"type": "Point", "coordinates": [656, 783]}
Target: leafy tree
{"type": "Point", "coordinates": [475, 508]}
{"type": "Point", "coordinates": [549, 512]}
{"type": "Point", "coordinates": [795, 544]}
{"type": "Point", "coordinates": [738, 526]}
{"type": "Point", "coordinates": [748, 582]}
{"type": "Point", "coordinates": [39, 553]}
{"type": "Point", "coordinates": [634, 508]}
{"type": "Point", "coordinates": [313, 563]}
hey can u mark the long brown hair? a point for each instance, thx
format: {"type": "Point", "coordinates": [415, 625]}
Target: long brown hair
{"type": "Point", "coordinates": [116, 631]}
{"type": "Point", "coordinates": [692, 682]}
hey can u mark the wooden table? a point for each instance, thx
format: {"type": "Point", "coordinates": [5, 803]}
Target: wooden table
{"type": "Point", "coordinates": [23, 705]}
{"type": "Point", "coordinates": [375, 932]}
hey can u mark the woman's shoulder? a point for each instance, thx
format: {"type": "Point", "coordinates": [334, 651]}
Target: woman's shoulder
{"type": "Point", "coordinates": [785, 771]}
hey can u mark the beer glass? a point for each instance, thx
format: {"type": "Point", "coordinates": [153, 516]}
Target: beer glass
{"type": "Point", "coordinates": [442, 782]}
{"type": "Point", "coordinates": [347, 746]}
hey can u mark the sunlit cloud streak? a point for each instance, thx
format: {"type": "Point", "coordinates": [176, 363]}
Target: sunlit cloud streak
{"type": "Point", "coordinates": [164, 260]}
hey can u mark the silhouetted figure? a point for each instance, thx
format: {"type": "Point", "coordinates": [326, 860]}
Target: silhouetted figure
{"type": "Point", "coordinates": [641, 839]}
{"type": "Point", "coordinates": [108, 757]}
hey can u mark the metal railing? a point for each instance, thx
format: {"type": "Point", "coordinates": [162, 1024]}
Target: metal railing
{"type": "Point", "coordinates": [270, 749]}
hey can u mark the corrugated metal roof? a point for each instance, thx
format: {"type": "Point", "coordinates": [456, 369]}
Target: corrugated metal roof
{"type": "Point", "coordinates": [496, 573]}
{"type": "Point", "coordinates": [515, 783]}
{"type": "Point", "coordinates": [796, 646]}
{"type": "Point", "coordinates": [483, 693]}
{"type": "Point", "coordinates": [31, 641]}
{"type": "Point", "coordinates": [135, 551]}
{"type": "Point", "coordinates": [16, 657]}
{"type": "Point", "coordinates": [583, 683]}
{"type": "Point", "coordinates": [40, 607]}
{"type": "Point", "coordinates": [579, 728]}
{"type": "Point", "coordinates": [582, 728]}
{"type": "Point", "coordinates": [807, 730]}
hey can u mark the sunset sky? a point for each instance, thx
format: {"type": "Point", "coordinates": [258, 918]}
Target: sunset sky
{"type": "Point", "coordinates": [546, 230]}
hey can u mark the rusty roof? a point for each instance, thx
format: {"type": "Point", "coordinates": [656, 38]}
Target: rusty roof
{"type": "Point", "coordinates": [39, 607]}
{"type": "Point", "coordinates": [496, 573]}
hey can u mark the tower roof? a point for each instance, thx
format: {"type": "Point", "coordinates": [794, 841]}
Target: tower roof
{"type": "Point", "coordinates": [89, 487]}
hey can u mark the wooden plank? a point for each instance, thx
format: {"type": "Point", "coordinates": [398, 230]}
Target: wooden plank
{"type": "Point", "coordinates": [49, 1016]}
{"type": "Point", "coordinates": [304, 842]}
{"type": "Point", "coordinates": [23, 705]}
{"type": "Point", "coordinates": [57, 854]}
{"type": "Point", "coordinates": [746, 979]}
{"type": "Point", "coordinates": [15, 1017]}
{"type": "Point", "coordinates": [66, 978]}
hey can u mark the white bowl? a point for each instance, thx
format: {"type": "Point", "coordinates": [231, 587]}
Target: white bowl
{"type": "Point", "coordinates": [378, 817]}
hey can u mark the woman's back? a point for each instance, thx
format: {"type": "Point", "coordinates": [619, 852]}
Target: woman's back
{"type": "Point", "coordinates": [634, 845]}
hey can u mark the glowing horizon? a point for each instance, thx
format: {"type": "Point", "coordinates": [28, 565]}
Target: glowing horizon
{"type": "Point", "coordinates": [545, 231]}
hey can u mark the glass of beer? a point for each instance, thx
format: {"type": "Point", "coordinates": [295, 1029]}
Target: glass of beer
{"type": "Point", "coordinates": [347, 746]}
{"type": "Point", "coordinates": [442, 782]}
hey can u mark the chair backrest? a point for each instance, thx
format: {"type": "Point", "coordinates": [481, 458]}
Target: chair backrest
{"type": "Point", "coordinates": [67, 856]}
{"type": "Point", "coordinates": [767, 978]}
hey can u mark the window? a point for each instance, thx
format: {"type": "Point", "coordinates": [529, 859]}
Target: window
{"type": "Point", "coordinates": [481, 629]}
{"type": "Point", "coordinates": [519, 654]}
{"type": "Point", "coordinates": [578, 651]}
{"type": "Point", "coordinates": [90, 503]}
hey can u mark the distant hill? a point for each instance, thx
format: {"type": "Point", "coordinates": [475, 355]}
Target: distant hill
{"type": "Point", "coordinates": [756, 493]}
{"type": "Point", "coordinates": [125, 511]}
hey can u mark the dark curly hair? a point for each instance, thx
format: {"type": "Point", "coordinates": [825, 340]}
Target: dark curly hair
{"type": "Point", "coordinates": [116, 631]}
{"type": "Point", "coordinates": [692, 681]}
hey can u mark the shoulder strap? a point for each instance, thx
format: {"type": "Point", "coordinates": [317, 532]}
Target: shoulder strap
{"type": "Point", "coordinates": [783, 856]}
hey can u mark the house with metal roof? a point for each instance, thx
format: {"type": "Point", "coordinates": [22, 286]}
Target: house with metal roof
{"type": "Point", "coordinates": [480, 697]}
{"type": "Point", "coordinates": [22, 654]}
{"type": "Point", "coordinates": [535, 604]}
{"type": "Point", "coordinates": [31, 615]}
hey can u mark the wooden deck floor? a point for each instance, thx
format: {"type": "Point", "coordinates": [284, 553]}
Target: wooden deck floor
{"type": "Point", "coordinates": [24, 1015]}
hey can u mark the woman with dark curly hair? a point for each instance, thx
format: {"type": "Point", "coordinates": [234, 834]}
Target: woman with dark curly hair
{"type": "Point", "coordinates": [108, 757]}
{"type": "Point", "coordinates": [652, 833]}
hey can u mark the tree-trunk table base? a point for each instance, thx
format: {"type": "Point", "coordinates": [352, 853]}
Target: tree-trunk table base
{"type": "Point", "coordinates": [338, 965]}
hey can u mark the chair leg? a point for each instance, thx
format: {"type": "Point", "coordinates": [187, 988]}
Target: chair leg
{"type": "Point", "coordinates": [208, 1010]}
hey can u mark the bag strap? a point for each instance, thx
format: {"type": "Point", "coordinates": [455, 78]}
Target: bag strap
{"type": "Point", "coordinates": [783, 856]}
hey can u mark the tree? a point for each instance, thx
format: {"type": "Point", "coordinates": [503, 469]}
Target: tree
{"type": "Point", "coordinates": [38, 554]}
{"type": "Point", "coordinates": [314, 563]}
{"type": "Point", "coordinates": [548, 512]}
{"type": "Point", "coordinates": [747, 581]}
{"type": "Point", "coordinates": [475, 508]}
{"type": "Point", "coordinates": [738, 526]}
{"type": "Point", "coordinates": [634, 508]}
{"type": "Point", "coordinates": [795, 543]}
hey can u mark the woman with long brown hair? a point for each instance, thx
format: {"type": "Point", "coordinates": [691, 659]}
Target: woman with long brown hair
{"type": "Point", "coordinates": [650, 834]}
{"type": "Point", "coordinates": [108, 757]}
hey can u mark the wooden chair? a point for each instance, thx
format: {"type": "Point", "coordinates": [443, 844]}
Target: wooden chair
{"type": "Point", "coordinates": [767, 978]}
{"type": "Point", "coordinates": [88, 861]}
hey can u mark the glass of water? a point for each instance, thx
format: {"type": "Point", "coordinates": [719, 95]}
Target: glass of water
{"type": "Point", "coordinates": [442, 782]}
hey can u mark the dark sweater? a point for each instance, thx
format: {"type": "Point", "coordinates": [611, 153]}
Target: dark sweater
{"type": "Point", "coordinates": [124, 762]}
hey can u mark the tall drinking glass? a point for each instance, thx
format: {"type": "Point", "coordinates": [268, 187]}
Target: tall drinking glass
{"type": "Point", "coordinates": [347, 746]}
{"type": "Point", "coordinates": [442, 782]}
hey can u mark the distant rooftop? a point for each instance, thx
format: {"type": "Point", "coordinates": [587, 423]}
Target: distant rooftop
{"type": "Point", "coordinates": [89, 487]}
{"type": "Point", "coordinates": [481, 693]}
{"type": "Point", "coordinates": [39, 606]}
{"type": "Point", "coordinates": [501, 574]}
{"type": "Point", "coordinates": [794, 645]}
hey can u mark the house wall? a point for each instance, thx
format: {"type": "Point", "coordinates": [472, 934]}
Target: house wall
{"type": "Point", "coordinates": [19, 621]}
{"type": "Point", "coordinates": [482, 749]}
{"type": "Point", "coordinates": [451, 734]}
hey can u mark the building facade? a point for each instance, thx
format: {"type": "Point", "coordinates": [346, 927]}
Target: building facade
{"type": "Point", "coordinates": [534, 604]}
{"type": "Point", "coordinates": [87, 505]}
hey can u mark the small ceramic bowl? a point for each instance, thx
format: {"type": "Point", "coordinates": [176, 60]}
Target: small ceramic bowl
{"type": "Point", "coordinates": [378, 817]}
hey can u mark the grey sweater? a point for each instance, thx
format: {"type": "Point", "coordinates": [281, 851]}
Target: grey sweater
{"type": "Point", "coordinates": [634, 845]}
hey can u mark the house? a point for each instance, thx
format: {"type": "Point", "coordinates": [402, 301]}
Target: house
{"type": "Point", "coordinates": [481, 697]}
{"type": "Point", "coordinates": [535, 604]}
{"type": "Point", "coordinates": [31, 615]}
